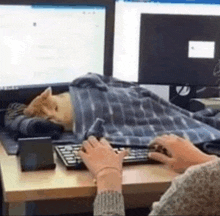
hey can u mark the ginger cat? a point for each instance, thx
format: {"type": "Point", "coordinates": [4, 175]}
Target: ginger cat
{"type": "Point", "coordinates": [55, 108]}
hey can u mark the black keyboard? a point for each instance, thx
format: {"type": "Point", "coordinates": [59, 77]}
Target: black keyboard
{"type": "Point", "coordinates": [68, 155]}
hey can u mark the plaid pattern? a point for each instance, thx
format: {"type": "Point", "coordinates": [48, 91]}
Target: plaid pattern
{"type": "Point", "coordinates": [128, 114]}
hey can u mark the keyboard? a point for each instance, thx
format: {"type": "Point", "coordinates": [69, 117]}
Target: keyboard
{"type": "Point", "coordinates": [68, 155]}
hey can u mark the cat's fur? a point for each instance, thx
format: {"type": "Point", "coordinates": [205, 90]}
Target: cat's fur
{"type": "Point", "coordinates": [55, 108]}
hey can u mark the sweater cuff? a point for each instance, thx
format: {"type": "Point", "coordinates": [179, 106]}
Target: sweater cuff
{"type": "Point", "coordinates": [109, 202]}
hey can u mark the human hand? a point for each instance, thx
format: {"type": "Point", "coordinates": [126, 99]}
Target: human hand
{"type": "Point", "coordinates": [181, 153]}
{"type": "Point", "coordinates": [99, 156]}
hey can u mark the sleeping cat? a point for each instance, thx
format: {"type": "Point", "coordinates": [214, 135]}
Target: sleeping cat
{"type": "Point", "coordinates": [55, 108]}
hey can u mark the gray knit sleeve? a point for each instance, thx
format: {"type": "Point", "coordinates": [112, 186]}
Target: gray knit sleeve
{"type": "Point", "coordinates": [109, 203]}
{"type": "Point", "coordinates": [196, 192]}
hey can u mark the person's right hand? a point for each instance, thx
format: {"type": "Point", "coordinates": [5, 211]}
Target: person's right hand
{"type": "Point", "coordinates": [104, 163]}
{"type": "Point", "coordinates": [181, 153]}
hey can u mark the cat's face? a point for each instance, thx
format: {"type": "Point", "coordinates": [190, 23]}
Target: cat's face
{"type": "Point", "coordinates": [51, 107]}
{"type": "Point", "coordinates": [42, 106]}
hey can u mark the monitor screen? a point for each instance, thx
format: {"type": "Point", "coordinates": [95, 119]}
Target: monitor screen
{"type": "Point", "coordinates": [50, 42]}
{"type": "Point", "coordinates": [180, 48]}
{"type": "Point", "coordinates": [43, 44]}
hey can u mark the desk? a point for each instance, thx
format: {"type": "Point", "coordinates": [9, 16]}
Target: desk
{"type": "Point", "coordinates": [142, 184]}
{"type": "Point", "coordinates": [197, 104]}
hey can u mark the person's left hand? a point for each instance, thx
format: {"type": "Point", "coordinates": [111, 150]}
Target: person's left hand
{"type": "Point", "coordinates": [99, 155]}
{"type": "Point", "coordinates": [178, 153]}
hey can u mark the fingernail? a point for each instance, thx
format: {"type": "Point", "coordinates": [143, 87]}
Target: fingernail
{"type": "Point", "coordinates": [149, 154]}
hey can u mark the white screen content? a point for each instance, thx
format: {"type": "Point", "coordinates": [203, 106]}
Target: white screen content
{"type": "Point", "coordinates": [40, 45]}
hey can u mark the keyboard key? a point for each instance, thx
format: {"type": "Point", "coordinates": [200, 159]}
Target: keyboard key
{"type": "Point", "coordinates": [71, 161]}
{"type": "Point", "coordinates": [61, 149]}
{"type": "Point", "coordinates": [70, 148]}
{"type": "Point", "coordinates": [66, 152]}
{"type": "Point", "coordinates": [69, 158]}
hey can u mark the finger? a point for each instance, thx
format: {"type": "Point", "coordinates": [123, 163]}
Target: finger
{"type": "Point", "coordinates": [182, 139]}
{"type": "Point", "coordinates": [174, 136]}
{"type": "Point", "coordinates": [105, 142]}
{"type": "Point", "coordinates": [123, 154]}
{"type": "Point", "coordinates": [177, 139]}
{"type": "Point", "coordinates": [93, 141]}
{"type": "Point", "coordinates": [163, 142]}
{"type": "Point", "coordinates": [82, 154]}
{"type": "Point", "coordinates": [87, 146]}
{"type": "Point", "coordinates": [84, 157]}
{"type": "Point", "coordinates": [153, 142]}
{"type": "Point", "coordinates": [165, 135]}
{"type": "Point", "coordinates": [168, 137]}
{"type": "Point", "coordinates": [160, 157]}
{"type": "Point", "coordinates": [157, 141]}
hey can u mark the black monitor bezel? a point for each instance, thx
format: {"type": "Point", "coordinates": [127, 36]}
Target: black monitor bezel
{"type": "Point", "coordinates": [25, 93]}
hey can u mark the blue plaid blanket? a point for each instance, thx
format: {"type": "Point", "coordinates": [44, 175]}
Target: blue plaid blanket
{"type": "Point", "coordinates": [127, 114]}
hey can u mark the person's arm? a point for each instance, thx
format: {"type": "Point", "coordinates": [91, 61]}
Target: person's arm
{"type": "Point", "coordinates": [192, 192]}
{"type": "Point", "coordinates": [109, 180]}
{"type": "Point", "coordinates": [109, 200]}
{"type": "Point", "coordinates": [106, 167]}
{"type": "Point", "coordinates": [196, 192]}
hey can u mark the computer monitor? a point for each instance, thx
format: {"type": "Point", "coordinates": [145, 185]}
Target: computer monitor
{"type": "Point", "coordinates": [50, 43]}
{"type": "Point", "coordinates": [162, 44]}
{"type": "Point", "coordinates": [180, 48]}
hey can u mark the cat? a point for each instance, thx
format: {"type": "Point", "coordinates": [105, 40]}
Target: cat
{"type": "Point", "coordinates": [55, 108]}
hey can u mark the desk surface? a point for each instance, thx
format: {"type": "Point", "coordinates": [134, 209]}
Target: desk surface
{"type": "Point", "coordinates": [60, 183]}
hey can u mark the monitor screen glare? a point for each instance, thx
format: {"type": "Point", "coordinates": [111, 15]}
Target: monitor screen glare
{"type": "Point", "coordinates": [50, 44]}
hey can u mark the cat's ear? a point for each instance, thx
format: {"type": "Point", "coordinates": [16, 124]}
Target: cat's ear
{"type": "Point", "coordinates": [46, 93]}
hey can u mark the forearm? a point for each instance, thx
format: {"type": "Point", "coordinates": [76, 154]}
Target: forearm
{"type": "Point", "coordinates": [109, 200]}
{"type": "Point", "coordinates": [109, 180]}
{"type": "Point", "coordinates": [185, 197]}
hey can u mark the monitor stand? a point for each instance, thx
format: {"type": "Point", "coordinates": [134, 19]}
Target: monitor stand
{"type": "Point", "coordinates": [181, 95]}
